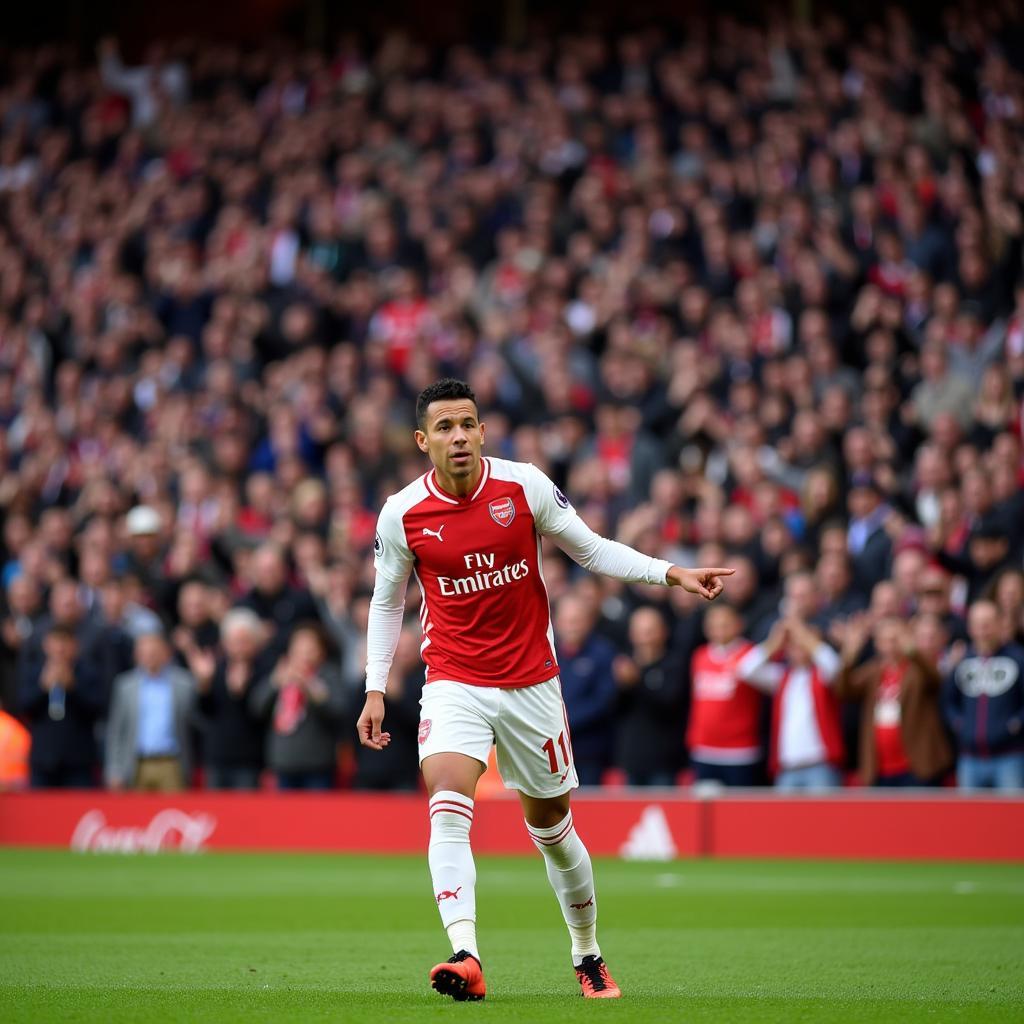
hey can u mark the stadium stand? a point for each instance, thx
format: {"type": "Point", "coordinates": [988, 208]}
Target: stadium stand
{"type": "Point", "coordinates": [752, 295]}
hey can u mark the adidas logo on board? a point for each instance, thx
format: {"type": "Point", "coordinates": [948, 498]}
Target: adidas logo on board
{"type": "Point", "coordinates": [650, 838]}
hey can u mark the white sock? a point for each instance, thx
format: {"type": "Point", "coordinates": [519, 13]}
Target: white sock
{"type": "Point", "coordinates": [462, 935]}
{"type": "Point", "coordinates": [452, 869]}
{"type": "Point", "coordinates": [572, 877]}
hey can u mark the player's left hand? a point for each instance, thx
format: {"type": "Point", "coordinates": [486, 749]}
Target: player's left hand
{"type": "Point", "coordinates": [705, 582]}
{"type": "Point", "coordinates": [369, 725]}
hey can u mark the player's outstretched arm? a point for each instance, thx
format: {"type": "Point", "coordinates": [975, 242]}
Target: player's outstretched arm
{"type": "Point", "coordinates": [557, 519]}
{"type": "Point", "coordinates": [370, 721]}
{"type": "Point", "coordinates": [708, 583]}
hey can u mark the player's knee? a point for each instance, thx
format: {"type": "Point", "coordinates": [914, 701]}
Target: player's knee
{"type": "Point", "coordinates": [452, 773]}
{"type": "Point", "coordinates": [546, 813]}
{"type": "Point", "coordinates": [444, 784]}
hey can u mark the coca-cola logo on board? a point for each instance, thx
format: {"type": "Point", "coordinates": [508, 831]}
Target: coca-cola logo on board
{"type": "Point", "coordinates": [170, 829]}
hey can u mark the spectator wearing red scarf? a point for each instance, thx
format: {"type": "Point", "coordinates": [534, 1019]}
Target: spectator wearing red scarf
{"type": "Point", "coordinates": [806, 740]}
{"type": "Point", "coordinates": [902, 741]}
{"type": "Point", "coordinates": [303, 700]}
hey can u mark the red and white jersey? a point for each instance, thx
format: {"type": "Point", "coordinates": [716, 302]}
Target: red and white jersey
{"type": "Point", "coordinates": [485, 614]}
{"type": "Point", "coordinates": [725, 712]}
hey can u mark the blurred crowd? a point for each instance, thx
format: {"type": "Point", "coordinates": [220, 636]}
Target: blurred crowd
{"type": "Point", "coordinates": [751, 294]}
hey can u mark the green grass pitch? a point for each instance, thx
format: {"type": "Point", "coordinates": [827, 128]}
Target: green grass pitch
{"type": "Point", "coordinates": [253, 938]}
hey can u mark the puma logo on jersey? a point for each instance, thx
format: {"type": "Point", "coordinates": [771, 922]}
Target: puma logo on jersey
{"type": "Point", "coordinates": [434, 533]}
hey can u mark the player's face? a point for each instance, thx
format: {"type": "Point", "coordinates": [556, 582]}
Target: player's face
{"type": "Point", "coordinates": [453, 439]}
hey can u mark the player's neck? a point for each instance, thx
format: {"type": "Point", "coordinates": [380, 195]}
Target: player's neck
{"type": "Point", "coordinates": [459, 486]}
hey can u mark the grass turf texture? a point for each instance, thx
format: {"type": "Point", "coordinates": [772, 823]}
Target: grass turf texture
{"type": "Point", "coordinates": [316, 938]}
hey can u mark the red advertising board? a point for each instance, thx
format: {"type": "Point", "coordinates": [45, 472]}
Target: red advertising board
{"type": "Point", "coordinates": [658, 825]}
{"type": "Point", "coordinates": [948, 827]}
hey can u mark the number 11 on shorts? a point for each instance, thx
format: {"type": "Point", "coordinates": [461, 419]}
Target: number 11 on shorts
{"type": "Point", "coordinates": [548, 746]}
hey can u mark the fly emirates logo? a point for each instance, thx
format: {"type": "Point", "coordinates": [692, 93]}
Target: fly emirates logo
{"type": "Point", "coordinates": [483, 575]}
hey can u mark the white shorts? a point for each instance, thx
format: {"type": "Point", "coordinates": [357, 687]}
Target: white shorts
{"type": "Point", "coordinates": [527, 724]}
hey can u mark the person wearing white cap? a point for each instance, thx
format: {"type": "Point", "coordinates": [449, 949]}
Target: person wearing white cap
{"type": "Point", "coordinates": [143, 521]}
{"type": "Point", "coordinates": [144, 526]}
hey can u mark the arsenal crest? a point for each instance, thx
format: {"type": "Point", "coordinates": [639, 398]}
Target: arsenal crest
{"type": "Point", "coordinates": [503, 511]}
{"type": "Point", "coordinates": [424, 730]}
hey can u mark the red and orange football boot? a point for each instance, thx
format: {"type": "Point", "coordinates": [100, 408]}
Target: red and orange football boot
{"type": "Point", "coordinates": [461, 977]}
{"type": "Point", "coordinates": [595, 981]}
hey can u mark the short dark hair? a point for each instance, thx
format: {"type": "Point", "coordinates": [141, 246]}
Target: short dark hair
{"type": "Point", "coordinates": [440, 391]}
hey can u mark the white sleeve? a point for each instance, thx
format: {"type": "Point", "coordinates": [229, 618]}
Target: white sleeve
{"type": "Point", "coordinates": [550, 507]}
{"type": "Point", "coordinates": [827, 662]}
{"type": "Point", "coordinates": [391, 554]}
{"type": "Point", "coordinates": [756, 668]}
{"type": "Point", "coordinates": [383, 628]}
{"type": "Point", "coordinates": [393, 561]}
{"type": "Point", "coordinates": [609, 557]}
{"type": "Point", "coordinates": [557, 519]}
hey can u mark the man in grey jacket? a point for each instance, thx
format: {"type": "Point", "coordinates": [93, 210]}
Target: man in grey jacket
{"type": "Point", "coordinates": [148, 728]}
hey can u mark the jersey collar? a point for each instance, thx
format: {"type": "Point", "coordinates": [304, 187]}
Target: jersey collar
{"type": "Point", "coordinates": [435, 488]}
